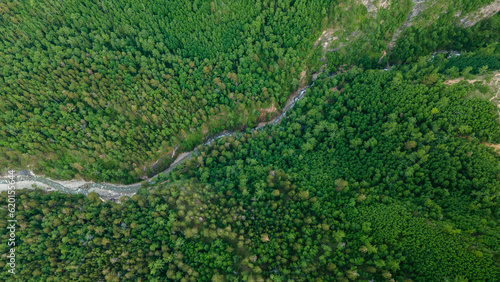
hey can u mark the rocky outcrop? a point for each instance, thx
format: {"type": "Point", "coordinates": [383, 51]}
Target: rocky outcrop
{"type": "Point", "coordinates": [473, 18]}
{"type": "Point", "coordinates": [373, 7]}
{"type": "Point", "coordinates": [415, 10]}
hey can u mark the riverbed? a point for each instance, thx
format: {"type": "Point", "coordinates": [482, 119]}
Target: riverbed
{"type": "Point", "coordinates": [109, 191]}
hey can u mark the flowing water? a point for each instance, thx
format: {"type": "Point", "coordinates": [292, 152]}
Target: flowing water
{"type": "Point", "coordinates": [115, 191]}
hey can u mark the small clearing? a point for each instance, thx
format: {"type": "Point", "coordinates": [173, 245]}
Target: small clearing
{"type": "Point", "coordinates": [373, 7]}
{"type": "Point", "coordinates": [457, 80]}
{"type": "Point", "coordinates": [496, 97]}
{"type": "Point", "coordinates": [453, 81]}
{"type": "Point", "coordinates": [271, 109]}
{"type": "Point", "coordinates": [326, 39]}
{"type": "Point", "coordinates": [331, 36]}
{"type": "Point", "coordinates": [494, 146]}
{"type": "Point", "coordinates": [494, 85]}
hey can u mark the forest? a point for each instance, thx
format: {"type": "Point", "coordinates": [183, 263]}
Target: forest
{"type": "Point", "coordinates": [370, 177]}
{"type": "Point", "coordinates": [101, 89]}
{"type": "Point", "coordinates": [113, 90]}
{"type": "Point", "coordinates": [384, 171]}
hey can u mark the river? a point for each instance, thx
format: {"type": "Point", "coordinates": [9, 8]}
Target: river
{"type": "Point", "coordinates": [26, 179]}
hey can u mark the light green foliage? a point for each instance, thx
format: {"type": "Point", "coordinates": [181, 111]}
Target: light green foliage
{"type": "Point", "coordinates": [418, 203]}
{"type": "Point", "coordinates": [373, 176]}
{"type": "Point", "coordinates": [103, 89]}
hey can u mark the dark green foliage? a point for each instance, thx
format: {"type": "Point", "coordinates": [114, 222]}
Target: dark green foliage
{"type": "Point", "coordinates": [474, 62]}
{"type": "Point", "coordinates": [368, 178]}
{"type": "Point", "coordinates": [103, 89]}
{"type": "Point", "coordinates": [373, 176]}
{"type": "Point", "coordinates": [428, 249]}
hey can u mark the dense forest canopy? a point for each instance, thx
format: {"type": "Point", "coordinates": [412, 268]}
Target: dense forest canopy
{"type": "Point", "coordinates": [134, 79]}
{"type": "Point", "coordinates": [369, 178]}
{"type": "Point", "coordinates": [112, 90]}
{"type": "Point", "coordinates": [384, 171]}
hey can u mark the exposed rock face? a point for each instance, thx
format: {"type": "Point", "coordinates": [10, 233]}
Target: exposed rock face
{"type": "Point", "coordinates": [473, 18]}
{"type": "Point", "coordinates": [373, 7]}
{"type": "Point", "coordinates": [417, 8]}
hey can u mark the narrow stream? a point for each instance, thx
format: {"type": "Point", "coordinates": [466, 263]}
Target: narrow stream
{"type": "Point", "coordinates": [115, 191]}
